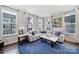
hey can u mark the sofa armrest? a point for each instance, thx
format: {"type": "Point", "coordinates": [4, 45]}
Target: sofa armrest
{"type": "Point", "coordinates": [33, 37]}
{"type": "Point", "coordinates": [61, 38]}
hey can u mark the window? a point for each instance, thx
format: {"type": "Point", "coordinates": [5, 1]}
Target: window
{"type": "Point", "coordinates": [9, 23]}
{"type": "Point", "coordinates": [70, 24]}
{"type": "Point", "coordinates": [40, 25]}
{"type": "Point", "coordinates": [70, 19]}
{"type": "Point", "coordinates": [44, 22]}
{"type": "Point", "coordinates": [70, 28]}
{"type": "Point", "coordinates": [48, 27]}
{"type": "Point", "coordinates": [29, 24]}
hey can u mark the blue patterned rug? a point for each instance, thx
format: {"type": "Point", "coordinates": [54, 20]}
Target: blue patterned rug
{"type": "Point", "coordinates": [39, 47]}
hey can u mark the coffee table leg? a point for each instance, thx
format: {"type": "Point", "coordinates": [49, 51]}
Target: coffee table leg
{"type": "Point", "coordinates": [53, 44]}
{"type": "Point", "coordinates": [41, 39]}
{"type": "Point", "coordinates": [26, 38]}
{"type": "Point", "coordinates": [44, 40]}
{"type": "Point", "coordinates": [18, 39]}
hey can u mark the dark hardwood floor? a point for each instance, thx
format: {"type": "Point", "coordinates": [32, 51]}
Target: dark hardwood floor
{"type": "Point", "coordinates": [9, 49]}
{"type": "Point", "coordinates": [74, 45]}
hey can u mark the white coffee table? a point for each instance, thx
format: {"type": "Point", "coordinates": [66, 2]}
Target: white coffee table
{"type": "Point", "coordinates": [51, 38]}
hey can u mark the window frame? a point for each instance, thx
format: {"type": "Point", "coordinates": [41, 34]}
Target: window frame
{"type": "Point", "coordinates": [9, 12]}
{"type": "Point", "coordinates": [69, 23]}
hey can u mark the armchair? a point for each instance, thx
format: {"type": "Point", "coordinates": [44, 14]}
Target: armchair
{"type": "Point", "coordinates": [60, 37]}
{"type": "Point", "coordinates": [33, 37]}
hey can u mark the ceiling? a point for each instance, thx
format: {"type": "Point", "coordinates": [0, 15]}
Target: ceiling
{"type": "Point", "coordinates": [44, 10]}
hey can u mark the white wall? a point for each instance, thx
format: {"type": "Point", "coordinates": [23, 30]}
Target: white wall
{"type": "Point", "coordinates": [77, 24]}
{"type": "Point", "coordinates": [35, 23]}
{"type": "Point", "coordinates": [20, 22]}
{"type": "Point", "coordinates": [0, 26]}
{"type": "Point", "coordinates": [10, 39]}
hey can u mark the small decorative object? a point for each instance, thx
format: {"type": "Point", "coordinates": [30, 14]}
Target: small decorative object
{"type": "Point", "coordinates": [20, 32]}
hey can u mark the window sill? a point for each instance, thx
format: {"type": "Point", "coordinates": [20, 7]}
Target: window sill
{"type": "Point", "coordinates": [9, 35]}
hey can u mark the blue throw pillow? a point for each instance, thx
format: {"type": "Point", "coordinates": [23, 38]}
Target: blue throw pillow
{"type": "Point", "coordinates": [57, 33]}
{"type": "Point", "coordinates": [33, 33]}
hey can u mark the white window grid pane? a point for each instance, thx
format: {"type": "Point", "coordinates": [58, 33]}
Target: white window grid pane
{"type": "Point", "coordinates": [9, 24]}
